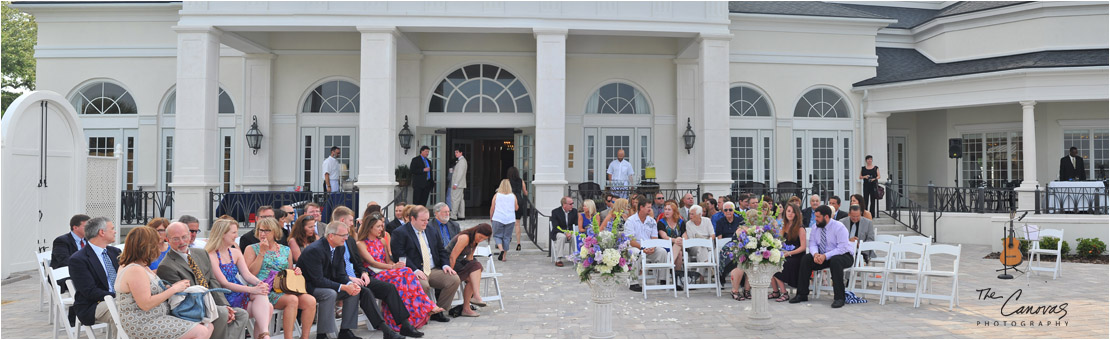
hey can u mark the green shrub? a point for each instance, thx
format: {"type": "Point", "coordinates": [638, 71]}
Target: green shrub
{"type": "Point", "coordinates": [1089, 247]}
{"type": "Point", "coordinates": [1049, 242]}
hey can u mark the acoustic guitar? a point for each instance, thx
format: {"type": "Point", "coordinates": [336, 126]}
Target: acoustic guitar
{"type": "Point", "coordinates": [1011, 247]}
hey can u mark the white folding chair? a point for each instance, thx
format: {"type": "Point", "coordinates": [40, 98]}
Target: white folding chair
{"type": "Point", "coordinates": [826, 275]}
{"type": "Point", "coordinates": [710, 264]}
{"type": "Point", "coordinates": [1036, 251]}
{"type": "Point", "coordinates": [87, 328]}
{"type": "Point", "coordinates": [45, 298]}
{"type": "Point", "coordinates": [888, 238]}
{"type": "Point", "coordinates": [114, 310]}
{"type": "Point", "coordinates": [667, 265]}
{"type": "Point", "coordinates": [931, 272]}
{"type": "Point", "coordinates": [892, 272]}
{"type": "Point", "coordinates": [862, 269]}
{"type": "Point", "coordinates": [60, 308]}
{"type": "Point", "coordinates": [489, 273]}
{"type": "Point", "coordinates": [571, 243]}
{"type": "Point", "coordinates": [901, 259]}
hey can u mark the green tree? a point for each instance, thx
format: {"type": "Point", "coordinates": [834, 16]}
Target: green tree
{"type": "Point", "coordinates": [19, 35]}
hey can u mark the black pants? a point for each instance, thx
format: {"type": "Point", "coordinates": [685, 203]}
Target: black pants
{"type": "Point", "coordinates": [420, 195]}
{"type": "Point", "coordinates": [870, 203]}
{"type": "Point", "coordinates": [368, 299]}
{"type": "Point", "coordinates": [836, 265]}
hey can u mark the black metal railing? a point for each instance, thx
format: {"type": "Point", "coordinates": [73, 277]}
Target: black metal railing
{"type": "Point", "coordinates": [1092, 200]}
{"type": "Point", "coordinates": [531, 223]}
{"type": "Point", "coordinates": [973, 200]}
{"type": "Point", "coordinates": [781, 193]}
{"type": "Point", "coordinates": [582, 193]}
{"type": "Point", "coordinates": [139, 207]}
{"type": "Point", "coordinates": [901, 208]}
{"type": "Point", "coordinates": [240, 205]}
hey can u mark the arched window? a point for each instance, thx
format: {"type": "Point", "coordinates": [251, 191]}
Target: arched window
{"type": "Point", "coordinates": [481, 88]}
{"type": "Point", "coordinates": [102, 97]}
{"type": "Point", "coordinates": [618, 98]}
{"type": "Point", "coordinates": [336, 96]}
{"type": "Point", "coordinates": [746, 101]}
{"type": "Point", "coordinates": [822, 103]}
{"type": "Point", "coordinates": [169, 107]}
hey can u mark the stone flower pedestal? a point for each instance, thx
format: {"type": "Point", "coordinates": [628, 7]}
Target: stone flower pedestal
{"type": "Point", "coordinates": [603, 290]}
{"type": "Point", "coordinates": [760, 277]}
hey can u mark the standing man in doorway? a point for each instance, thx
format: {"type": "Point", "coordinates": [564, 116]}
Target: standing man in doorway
{"type": "Point", "coordinates": [331, 171]}
{"type": "Point", "coordinates": [620, 174]}
{"type": "Point", "coordinates": [458, 186]}
{"type": "Point", "coordinates": [421, 170]}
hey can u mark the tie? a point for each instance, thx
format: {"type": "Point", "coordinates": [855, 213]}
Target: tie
{"type": "Point", "coordinates": [429, 173]}
{"type": "Point", "coordinates": [348, 267]}
{"type": "Point", "coordinates": [110, 270]}
{"type": "Point", "coordinates": [83, 244]}
{"type": "Point", "coordinates": [821, 245]}
{"type": "Point", "coordinates": [425, 253]}
{"type": "Point", "coordinates": [1072, 162]}
{"type": "Point", "coordinates": [196, 272]}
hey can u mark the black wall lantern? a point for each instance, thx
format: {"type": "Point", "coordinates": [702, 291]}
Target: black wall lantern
{"type": "Point", "coordinates": [405, 136]}
{"type": "Point", "coordinates": [254, 136]}
{"type": "Point", "coordinates": [688, 136]}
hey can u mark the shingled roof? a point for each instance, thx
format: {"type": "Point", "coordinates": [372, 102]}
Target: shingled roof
{"type": "Point", "coordinates": [907, 17]}
{"type": "Point", "coordinates": [803, 8]}
{"type": "Point", "coordinates": [900, 64]}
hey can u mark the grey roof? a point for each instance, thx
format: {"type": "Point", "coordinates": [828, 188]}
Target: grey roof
{"type": "Point", "coordinates": [900, 64]}
{"type": "Point", "coordinates": [805, 8]}
{"type": "Point", "coordinates": [963, 7]}
{"type": "Point", "coordinates": [907, 17]}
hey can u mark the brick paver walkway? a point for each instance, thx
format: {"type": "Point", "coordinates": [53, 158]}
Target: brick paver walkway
{"type": "Point", "coordinates": [543, 301]}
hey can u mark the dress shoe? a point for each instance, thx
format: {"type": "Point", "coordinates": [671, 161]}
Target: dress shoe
{"type": "Point", "coordinates": [321, 335]}
{"type": "Point", "coordinates": [559, 263]}
{"type": "Point", "coordinates": [440, 317]}
{"type": "Point", "coordinates": [799, 298]}
{"type": "Point", "coordinates": [348, 334]}
{"type": "Point", "coordinates": [388, 333]}
{"type": "Point", "coordinates": [635, 288]}
{"type": "Point", "coordinates": [408, 330]}
{"type": "Point", "coordinates": [838, 303]}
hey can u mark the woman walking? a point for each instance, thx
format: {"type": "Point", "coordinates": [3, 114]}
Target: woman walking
{"type": "Point", "coordinates": [520, 191]}
{"type": "Point", "coordinates": [501, 213]}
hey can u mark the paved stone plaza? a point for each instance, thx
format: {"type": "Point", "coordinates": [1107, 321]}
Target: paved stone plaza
{"type": "Point", "coordinates": [543, 301]}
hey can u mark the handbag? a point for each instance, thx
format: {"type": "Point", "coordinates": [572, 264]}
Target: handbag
{"type": "Point", "coordinates": [195, 304]}
{"type": "Point", "coordinates": [879, 192]}
{"type": "Point", "coordinates": [288, 282]}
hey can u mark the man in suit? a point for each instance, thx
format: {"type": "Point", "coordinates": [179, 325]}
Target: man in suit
{"type": "Point", "coordinates": [443, 225]}
{"type": "Point", "coordinates": [458, 186]}
{"type": "Point", "coordinates": [326, 277]}
{"type": "Point", "coordinates": [427, 258]}
{"type": "Point", "coordinates": [248, 239]}
{"type": "Point", "coordinates": [67, 244]}
{"type": "Point", "coordinates": [421, 173]}
{"type": "Point", "coordinates": [686, 204]}
{"type": "Point", "coordinates": [860, 229]}
{"type": "Point", "coordinates": [1071, 166]}
{"type": "Point", "coordinates": [566, 217]}
{"type": "Point", "coordinates": [398, 210]}
{"type": "Point", "coordinates": [834, 203]}
{"type": "Point", "coordinates": [184, 263]}
{"type": "Point", "coordinates": [93, 271]}
{"type": "Point", "coordinates": [808, 220]}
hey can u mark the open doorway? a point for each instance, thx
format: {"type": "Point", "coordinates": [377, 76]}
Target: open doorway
{"type": "Point", "coordinates": [489, 154]}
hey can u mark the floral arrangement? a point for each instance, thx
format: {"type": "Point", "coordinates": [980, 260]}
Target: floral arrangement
{"type": "Point", "coordinates": [757, 242]}
{"type": "Point", "coordinates": [604, 250]}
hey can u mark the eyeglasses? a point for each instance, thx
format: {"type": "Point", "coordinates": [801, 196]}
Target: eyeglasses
{"type": "Point", "coordinates": [178, 239]}
{"type": "Point", "coordinates": [659, 198]}
{"type": "Point", "coordinates": [264, 230]}
{"type": "Point", "coordinates": [194, 231]}
{"type": "Point", "coordinates": [342, 236]}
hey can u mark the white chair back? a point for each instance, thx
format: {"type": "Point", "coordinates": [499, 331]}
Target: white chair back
{"type": "Point", "coordinates": [888, 238]}
{"type": "Point", "coordinates": [899, 250]}
{"type": "Point", "coordinates": [655, 243]}
{"type": "Point", "coordinates": [1057, 233]}
{"type": "Point", "coordinates": [43, 261]}
{"type": "Point", "coordinates": [916, 239]}
{"type": "Point", "coordinates": [687, 244]}
{"type": "Point", "coordinates": [930, 272]}
{"type": "Point", "coordinates": [116, 319]}
{"type": "Point", "coordinates": [870, 246]}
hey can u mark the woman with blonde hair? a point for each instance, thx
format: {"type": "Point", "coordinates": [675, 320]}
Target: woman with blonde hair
{"type": "Point", "coordinates": [502, 213]}
{"type": "Point", "coordinates": [143, 301]}
{"type": "Point", "coordinates": [268, 257]}
{"type": "Point", "coordinates": [586, 216]}
{"type": "Point", "coordinates": [301, 235]}
{"type": "Point", "coordinates": [621, 206]}
{"type": "Point", "coordinates": [160, 225]}
{"type": "Point", "coordinates": [253, 298]}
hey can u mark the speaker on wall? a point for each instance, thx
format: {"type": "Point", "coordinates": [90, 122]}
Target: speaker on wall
{"type": "Point", "coordinates": [955, 147]}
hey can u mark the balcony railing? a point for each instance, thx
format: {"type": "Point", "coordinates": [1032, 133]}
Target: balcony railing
{"type": "Point", "coordinates": [138, 207]}
{"type": "Point", "coordinates": [241, 205]}
{"type": "Point", "coordinates": [590, 190]}
{"type": "Point", "coordinates": [972, 200]}
{"type": "Point", "coordinates": [1073, 201]}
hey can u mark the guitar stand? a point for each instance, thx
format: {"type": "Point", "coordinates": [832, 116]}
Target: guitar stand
{"type": "Point", "coordinates": [1007, 276]}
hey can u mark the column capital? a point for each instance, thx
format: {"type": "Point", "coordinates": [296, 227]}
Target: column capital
{"type": "Point", "coordinates": [198, 29]}
{"type": "Point", "coordinates": [882, 115]}
{"type": "Point", "coordinates": [378, 29]}
{"type": "Point", "coordinates": [538, 31]}
{"type": "Point", "coordinates": [1027, 103]}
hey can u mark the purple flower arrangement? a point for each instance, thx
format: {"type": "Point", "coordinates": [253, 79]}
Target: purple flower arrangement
{"type": "Point", "coordinates": [604, 251]}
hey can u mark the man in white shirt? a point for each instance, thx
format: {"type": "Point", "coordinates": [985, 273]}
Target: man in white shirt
{"type": "Point", "coordinates": [620, 174]}
{"type": "Point", "coordinates": [641, 226]}
{"type": "Point", "coordinates": [458, 186]}
{"type": "Point", "coordinates": [331, 171]}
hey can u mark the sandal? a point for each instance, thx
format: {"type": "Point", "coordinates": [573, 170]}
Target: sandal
{"type": "Point", "coordinates": [518, 247]}
{"type": "Point", "coordinates": [773, 295]}
{"type": "Point", "coordinates": [263, 335]}
{"type": "Point", "coordinates": [784, 297]}
{"type": "Point", "coordinates": [736, 296]}
{"type": "Point", "coordinates": [747, 295]}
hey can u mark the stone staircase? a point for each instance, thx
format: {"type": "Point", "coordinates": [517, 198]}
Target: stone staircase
{"type": "Point", "coordinates": [885, 225]}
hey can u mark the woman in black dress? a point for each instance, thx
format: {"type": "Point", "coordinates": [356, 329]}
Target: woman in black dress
{"type": "Point", "coordinates": [794, 235]}
{"type": "Point", "coordinates": [520, 191]}
{"type": "Point", "coordinates": [462, 261]}
{"type": "Point", "coordinates": [870, 176]}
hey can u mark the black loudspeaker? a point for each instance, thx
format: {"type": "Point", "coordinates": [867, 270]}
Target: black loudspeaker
{"type": "Point", "coordinates": [955, 148]}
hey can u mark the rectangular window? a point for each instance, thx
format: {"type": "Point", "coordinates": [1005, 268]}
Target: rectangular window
{"type": "Point", "coordinates": [847, 167]}
{"type": "Point", "coordinates": [767, 179]}
{"type": "Point", "coordinates": [971, 165]}
{"type": "Point", "coordinates": [102, 146]}
{"type": "Point", "coordinates": [645, 151]}
{"type": "Point", "coordinates": [169, 163]}
{"type": "Point", "coordinates": [344, 144]}
{"type": "Point", "coordinates": [130, 164]}
{"type": "Point", "coordinates": [1100, 155]}
{"type": "Point", "coordinates": [306, 181]}
{"type": "Point", "coordinates": [225, 175]}
{"type": "Point", "coordinates": [1092, 147]}
{"type": "Point", "coordinates": [591, 158]}
{"type": "Point", "coordinates": [992, 159]}
{"type": "Point", "coordinates": [743, 159]}
{"type": "Point", "coordinates": [798, 160]}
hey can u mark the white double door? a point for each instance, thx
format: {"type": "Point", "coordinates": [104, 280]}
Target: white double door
{"type": "Point", "coordinates": [824, 160]}
{"type": "Point", "coordinates": [603, 144]}
{"type": "Point", "coordinates": [315, 145]}
{"type": "Point", "coordinates": [750, 156]}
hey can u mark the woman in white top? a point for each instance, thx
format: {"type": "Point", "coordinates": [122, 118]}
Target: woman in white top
{"type": "Point", "coordinates": [503, 215]}
{"type": "Point", "coordinates": [699, 227]}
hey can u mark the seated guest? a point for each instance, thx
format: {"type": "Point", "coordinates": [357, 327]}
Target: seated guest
{"type": "Point", "coordinates": [587, 214]}
{"type": "Point", "coordinates": [658, 204]}
{"type": "Point", "coordinates": [728, 222]}
{"type": "Point", "coordinates": [795, 201]}
{"type": "Point", "coordinates": [685, 205]}
{"type": "Point", "coordinates": [462, 260]}
{"type": "Point", "coordinates": [374, 253]}
{"type": "Point", "coordinates": [221, 251]}
{"type": "Point", "coordinates": [248, 239]}
{"type": "Point", "coordinates": [808, 213]}
{"type": "Point", "coordinates": [621, 206]}
{"type": "Point", "coordinates": [419, 249]}
{"type": "Point", "coordinates": [143, 302]}
{"type": "Point", "coordinates": [443, 224]}
{"type": "Point", "coordinates": [67, 244]}
{"type": "Point", "coordinates": [731, 269]}
{"type": "Point", "coordinates": [192, 264]}
{"type": "Point", "coordinates": [742, 202]}
{"type": "Point", "coordinates": [326, 279]}
{"type": "Point", "coordinates": [699, 226]}
{"type": "Point", "coordinates": [671, 227]}
{"type": "Point", "coordinates": [793, 234]}
{"type": "Point", "coordinates": [93, 271]}
{"type": "Point", "coordinates": [160, 224]}
{"type": "Point", "coordinates": [639, 227]}
{"type": "Point", "coordinates": [565, 217]}
{"type": "Point", "coordinates": [855, 199]}
{"type": "Point", "coordinates": [398, 217]}
{"type": "Point", "coordinates": [193, 226]}
{"type": "Point", "coordinates": [268, 257]}
{"type": "Point", "coordinates": [610, 198]}
{"type": "Point", "coordinates": [860, 229]}
{"type": "Point", "coordinates": [828, 248]}
{"type": "Point", "coordinates": [286, 216]}
{"type": "Point", "coordinates": [834, 203]}
{"type": "Point", "coordinates": [708, 210]}
{"type": "Point", "coordinates": [303, 235]}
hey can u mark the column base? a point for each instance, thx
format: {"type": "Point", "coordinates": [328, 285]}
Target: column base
{"type": "Point", "coordinates": [1027, 195]}
{"type": "Point", "coordinates": [547, 196]}
{"type": "Point", "coordinates": [718, 188]}
{"type": "Point", "coordinates": [194, 200]}
{"type": "Point", "coordinates": [381, 192]}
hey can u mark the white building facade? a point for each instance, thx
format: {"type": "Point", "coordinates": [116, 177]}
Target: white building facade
{"type": "Point", "coordinates": [774, 91]}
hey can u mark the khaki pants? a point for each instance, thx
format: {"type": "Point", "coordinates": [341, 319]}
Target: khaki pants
{"type": "Point", "coordinates": [102, 314]}
{"type": "Point", "coordinates": [447, 283]}
{"type": "Point", "coordinates": [458, 207]}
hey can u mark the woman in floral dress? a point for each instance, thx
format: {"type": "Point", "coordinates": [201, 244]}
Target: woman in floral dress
{"type": "Point", "coordinates": [265, 259]}
{"type": "Point", "coordinates": [143, 302]}
{"type": "Point", "coordinates": [374, 258]}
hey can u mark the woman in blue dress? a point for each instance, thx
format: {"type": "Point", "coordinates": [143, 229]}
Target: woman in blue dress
{"type": "Point", "coordinates": [253, 298]}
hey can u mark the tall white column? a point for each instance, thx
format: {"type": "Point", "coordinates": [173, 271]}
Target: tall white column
{"type": "Point", "coordinates": [551, 122]}
{"type": "Point", "coordinates": [377, 123]}
{"type": "Point", "coordinates": [1027, 190]}
{"type": "Point", "coordinates": [712, 100]}
{"type": "Point", "coordinates": [686, 84]}
{"type": "Point", "coordinates": [876, 147]}
{"type": "Point", "coordinates": [257, 75]}
{"type": "Point", "coordinates": [196, 166]}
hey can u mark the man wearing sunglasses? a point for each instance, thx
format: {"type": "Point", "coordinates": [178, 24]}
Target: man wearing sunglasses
{"type": "Point", "coordinates": [657, 205]}
{"type": "Point", "coordinates": [194, 229]}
